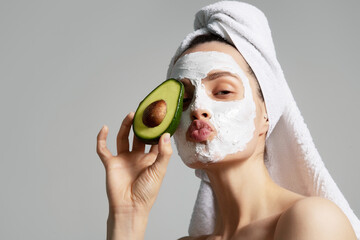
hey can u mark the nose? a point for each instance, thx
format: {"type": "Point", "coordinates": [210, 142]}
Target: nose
{"type": "Point", "coordinates": [200, 114]}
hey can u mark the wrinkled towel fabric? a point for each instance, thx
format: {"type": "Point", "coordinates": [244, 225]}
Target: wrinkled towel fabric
{"type": "Point", "coordinates": [291, 156]}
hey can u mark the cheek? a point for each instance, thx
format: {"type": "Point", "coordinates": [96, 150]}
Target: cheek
{"type": "Point", "coordinates": [235, 118]}
{"type": "Point", "coordinates": [245, 154]}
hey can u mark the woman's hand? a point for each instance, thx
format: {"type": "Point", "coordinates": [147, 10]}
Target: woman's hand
{"type": "Point", "coordinates": [133, 178]}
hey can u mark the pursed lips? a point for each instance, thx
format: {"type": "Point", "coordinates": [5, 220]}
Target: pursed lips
{"type": "Point", "coordinates": [200, 131]}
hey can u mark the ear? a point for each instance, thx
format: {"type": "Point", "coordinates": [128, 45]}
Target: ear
{"type": "Point", "coordinates": [264, 126]}
{"type": "Point", "coordinates": [264, 121]}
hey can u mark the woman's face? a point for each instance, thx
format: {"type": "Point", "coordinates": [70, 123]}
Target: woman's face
{"type": "Point", "coordinates": [221, 119]}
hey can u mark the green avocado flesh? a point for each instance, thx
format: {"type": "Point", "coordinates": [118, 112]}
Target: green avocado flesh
{"type": "Point", "coordinates": [166, 104]}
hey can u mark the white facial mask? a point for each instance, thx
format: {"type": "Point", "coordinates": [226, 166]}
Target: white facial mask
{"type": "Point", "coordinates": [233, 120]}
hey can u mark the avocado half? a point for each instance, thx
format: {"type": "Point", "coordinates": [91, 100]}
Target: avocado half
{"type": "Point", "coordinates": [159, 112]}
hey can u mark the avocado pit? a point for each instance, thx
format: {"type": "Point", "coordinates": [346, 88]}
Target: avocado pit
{"type": "Point", "coordinates": [154, 114]}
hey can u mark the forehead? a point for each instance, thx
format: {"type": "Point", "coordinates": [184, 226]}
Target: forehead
{"type": "Point", "coordinates": [197, 65]}
{"type": "Point", "coordinates": [219, 47]}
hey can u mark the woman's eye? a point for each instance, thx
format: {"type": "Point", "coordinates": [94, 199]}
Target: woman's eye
{"type": "Point", "coordinates": [224, 92]}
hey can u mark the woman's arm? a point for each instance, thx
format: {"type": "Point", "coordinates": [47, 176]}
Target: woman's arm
{"type": "Point", "coordinates": [314, 218]}
{"type": "Point", "coordinates": [133, 180]}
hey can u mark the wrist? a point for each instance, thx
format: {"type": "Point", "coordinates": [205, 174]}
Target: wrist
{"type": "Point", "coordinates": [128, 210]}
{"type": "Point", "coordinates": [127, 224]}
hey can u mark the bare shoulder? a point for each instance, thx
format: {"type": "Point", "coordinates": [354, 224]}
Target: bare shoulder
{"type": "Point", "coordinates": [314, 218]}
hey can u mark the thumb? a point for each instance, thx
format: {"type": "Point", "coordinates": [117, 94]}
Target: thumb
{"type": "Point", "coordinates": [165, 151]}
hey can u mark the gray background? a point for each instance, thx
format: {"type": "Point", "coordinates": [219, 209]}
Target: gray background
{"type": "Point", "coordinates": [68, 67]}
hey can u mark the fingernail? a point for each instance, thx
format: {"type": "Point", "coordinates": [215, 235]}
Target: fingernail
{"type": "Point", "coordinates": [167, 138]}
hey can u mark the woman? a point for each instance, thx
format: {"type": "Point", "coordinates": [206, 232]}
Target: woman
{"type": "Point", "coordinates": [226, 132]}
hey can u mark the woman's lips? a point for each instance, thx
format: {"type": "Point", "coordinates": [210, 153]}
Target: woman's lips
{"type": "Point", "coordinates": [200, 131]}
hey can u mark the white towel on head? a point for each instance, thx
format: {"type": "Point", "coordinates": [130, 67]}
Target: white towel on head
{"type": "Point", "coordinates": [291, 156]}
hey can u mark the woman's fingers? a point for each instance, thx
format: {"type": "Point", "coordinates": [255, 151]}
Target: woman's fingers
{"type": "Point", "coordinates": [122, 140]}
{"type": "Point", "coordinates": [154, 149]}
{"type": "Point", "coordinates": [101, 147]}
{"type": "Point", "coordinates": [165, 151]}
{"type": "Point", "coordinates": [138, 146]}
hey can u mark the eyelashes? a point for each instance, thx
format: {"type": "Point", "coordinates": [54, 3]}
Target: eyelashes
{"type": "Point", "coordinates": [223, 92]}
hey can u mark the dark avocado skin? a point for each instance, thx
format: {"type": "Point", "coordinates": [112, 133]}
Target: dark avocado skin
{"type": "Point", "coordinates": [174, 122]}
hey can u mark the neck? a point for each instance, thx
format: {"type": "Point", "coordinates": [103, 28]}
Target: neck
{"type": "Point", "coordinates": [244, 193]}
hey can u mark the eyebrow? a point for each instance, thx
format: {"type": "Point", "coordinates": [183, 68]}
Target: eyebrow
{"type": "Point", "coordinates": [220, 74]}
